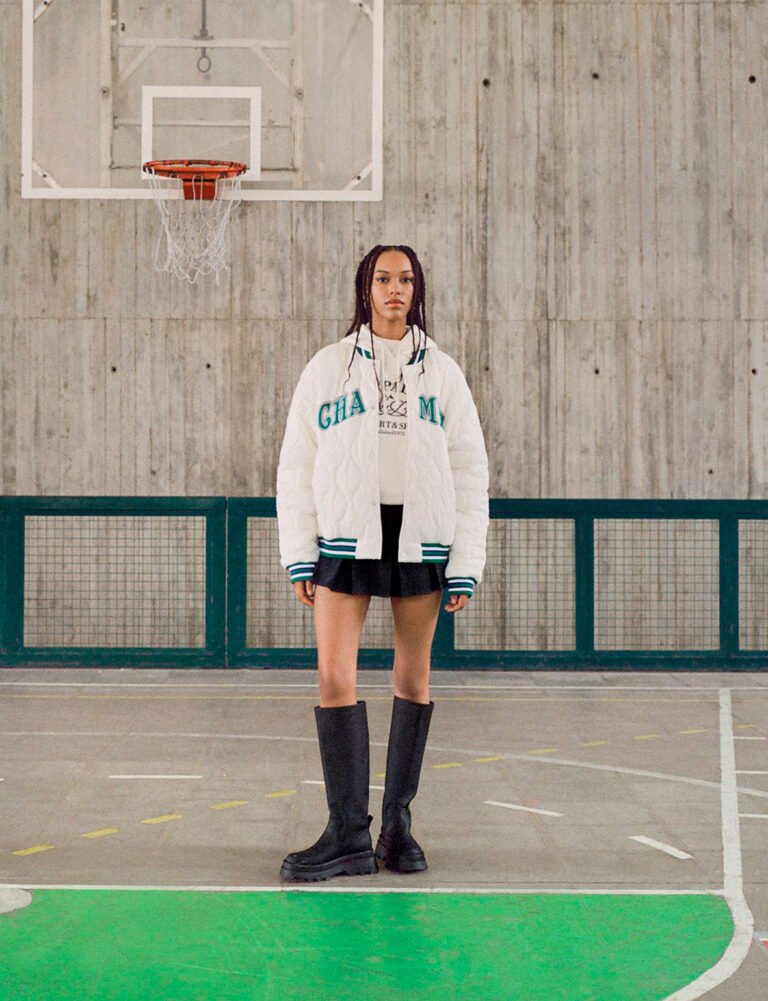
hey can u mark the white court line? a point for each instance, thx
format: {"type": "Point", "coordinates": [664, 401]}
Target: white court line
{"type": "Point", "coordinates": [741, 772]}
{"type": "Point", "coordinates": [584, 891]}
{"type": "Point", "coordinates": [750, 738]}
{"type": "Point", "coordinates": [667, 849]}
{"type": "Point", "coordinates": [693, 689]}
{"type": "Point", "coordinates": [475, 752]}
{"type": "Point", "coordinates": [526, 809]}
{"type": "Point", "coordinates": [754, 816]}
{"type": "Point", "coordinates": [319, 782]}
{"type": "Point", "coordinates": [733, 889]}
{"type": "Point", "coordinates": [155, 776]}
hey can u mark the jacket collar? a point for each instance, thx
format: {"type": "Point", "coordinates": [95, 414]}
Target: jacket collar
{"type": "Point", "coordinates": [423, 343]}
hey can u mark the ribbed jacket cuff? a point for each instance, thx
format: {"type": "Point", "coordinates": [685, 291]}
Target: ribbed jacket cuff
{"type": "Point", "coordinates": [301, 571]}
{"type": "Point", "coordinates": [461, 585]}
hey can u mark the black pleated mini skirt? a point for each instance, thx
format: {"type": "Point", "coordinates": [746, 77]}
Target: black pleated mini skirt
{"type": "Point", "coordinates": [384, 578]}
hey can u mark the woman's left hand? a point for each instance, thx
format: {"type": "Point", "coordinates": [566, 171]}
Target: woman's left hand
{"type": "Point", "coordinates": [456, 602]}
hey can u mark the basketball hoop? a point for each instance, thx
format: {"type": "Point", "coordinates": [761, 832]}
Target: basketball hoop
{"type": "Point", "coordinates": [192, 240]}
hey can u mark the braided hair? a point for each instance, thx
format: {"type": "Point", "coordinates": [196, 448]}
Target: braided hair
{"type": "Point", "coordinates": [363, 312]}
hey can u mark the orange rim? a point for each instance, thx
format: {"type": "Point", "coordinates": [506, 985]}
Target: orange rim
{"type": "Point", "coordinates": [199, 177]}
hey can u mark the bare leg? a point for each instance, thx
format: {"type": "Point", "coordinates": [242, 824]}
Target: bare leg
{"type": "Point", "coordinates": [415, 622]}
{"type": "Point", "coordinates": [339, 620]}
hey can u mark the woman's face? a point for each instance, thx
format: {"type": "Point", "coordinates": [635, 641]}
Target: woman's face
{"type": "Point", "coordinates": [392, 287]}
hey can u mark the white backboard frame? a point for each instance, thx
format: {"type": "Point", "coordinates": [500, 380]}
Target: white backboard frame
{"type": "Point", "coordinates": [251, 94]}
{"type": "Point", "coordinates": [32, 9]}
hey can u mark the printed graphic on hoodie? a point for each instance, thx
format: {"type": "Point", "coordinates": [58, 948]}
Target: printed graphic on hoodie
{"type": "Point", "coordinates": [393, 408]}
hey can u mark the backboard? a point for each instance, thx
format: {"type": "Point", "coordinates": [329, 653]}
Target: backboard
{"type": "Point", "coordinates": [292, 88]}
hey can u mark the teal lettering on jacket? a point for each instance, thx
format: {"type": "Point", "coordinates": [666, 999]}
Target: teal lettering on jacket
{"type": "Point", "coordinates": [429, 409]}
{"type": "Point", "coordinates": [339, 407]}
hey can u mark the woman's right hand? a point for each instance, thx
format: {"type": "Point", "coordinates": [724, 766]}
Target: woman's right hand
{"type": "Point", "coordinates": [305, 592]}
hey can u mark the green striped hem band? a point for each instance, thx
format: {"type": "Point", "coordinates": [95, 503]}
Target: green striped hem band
{"type": "Point", "coordinates": [434, 552]}
{"type": "Point", "coordinates": [461, 585]}
{"type": "Point", "coordinates": [339, 549]}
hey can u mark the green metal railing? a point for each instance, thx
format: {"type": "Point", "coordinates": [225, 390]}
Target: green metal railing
{"type": "Point", "coordinates": [83, 581]}
{"type": "Point", "coordinates": [181, 582]}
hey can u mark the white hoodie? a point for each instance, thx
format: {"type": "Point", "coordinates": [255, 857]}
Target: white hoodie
{"type": "Point", "coordinates": [391, 356]}
{"type": "Point", "coordinates": [328, 492]}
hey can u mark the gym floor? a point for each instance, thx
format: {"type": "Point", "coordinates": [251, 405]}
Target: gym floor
{"type": "Point", "coordinates": [590, 837]}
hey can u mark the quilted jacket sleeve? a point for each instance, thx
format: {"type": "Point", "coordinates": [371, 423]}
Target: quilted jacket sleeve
{"type": "Point", "coordinates": [469, 465]}
{"type": "Point", "coordinates": [296, 514]}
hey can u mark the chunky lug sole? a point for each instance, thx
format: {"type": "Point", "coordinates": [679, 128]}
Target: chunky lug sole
{"type": "Point", "coordinates": [400, 863]}
{"type": "Point", "coordinates": [358, 864]}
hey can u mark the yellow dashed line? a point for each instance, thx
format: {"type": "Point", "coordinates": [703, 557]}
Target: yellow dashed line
{"type": "Point", "coordinates": [746, 726]}
{"type": "Point", "coordinates": [693, 731]}
{"type": "Point", "coordinates": [380, 775]}
{"type": "Point", "coordinates": [228, 806]}
{"type": "Point", "coordinates": [648, 736]}
{"type": "Point", "coordinates": [35, 850]}
{"type": "Point", "coordinates": [594, 743]}
{"type": "Point", "coordinates": [494, 757]}
{"type": "Point", "coordinates": [450, 764]}
{"type": "Point", "coordinates": [545, 750]}
{"type": "Point", "coordinates": [103, 833]}
{"type": "Point", "coordinates": [283, 792]}
{"type": "Point", "coordinates": [162, 820]}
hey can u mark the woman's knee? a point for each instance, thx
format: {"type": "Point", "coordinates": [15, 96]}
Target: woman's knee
{"type": "Point", "coordinates": [337, 684]}
{"type": "Point", "coordinates": [412, 685]}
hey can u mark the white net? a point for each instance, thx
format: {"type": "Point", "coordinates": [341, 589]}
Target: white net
{"type": "Point", "coordinates": [193, 235]}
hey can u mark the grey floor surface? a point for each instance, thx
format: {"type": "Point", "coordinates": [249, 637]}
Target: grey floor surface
{"type": "Point", "coordinates": [532, 782]}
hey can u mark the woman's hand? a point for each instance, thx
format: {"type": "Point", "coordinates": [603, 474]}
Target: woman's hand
{"type": "Point", "coordinates": [305, 592]}
{"type": "Point", "coordinates": [456, 602]}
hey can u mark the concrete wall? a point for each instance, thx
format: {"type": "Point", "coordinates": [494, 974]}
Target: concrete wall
{"type": "Point", "coordinates": [585, 184]}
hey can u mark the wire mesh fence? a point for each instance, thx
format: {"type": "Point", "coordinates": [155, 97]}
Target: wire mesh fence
{"type": "Point", "coordinates": [113, 581]}
{"type": "Point", "coordinates": [656, 584]}
{"type": "Point", "coordinates": [527, 597]}
{"type": "Point", "coordinates": [566, 583]}
{"type": "Point", "coordinates": [753, 585]}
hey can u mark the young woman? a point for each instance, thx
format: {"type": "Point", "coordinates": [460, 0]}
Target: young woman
{"type": "Point", "coordinates": [382, 489]}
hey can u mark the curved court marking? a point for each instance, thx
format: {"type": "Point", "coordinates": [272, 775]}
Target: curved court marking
{"type": "Point", "coordinates": [743, 920]}
{"type": "Point", "coordinates": [13, 898]}
{"type": "Point", "coordinates": [511, 756]}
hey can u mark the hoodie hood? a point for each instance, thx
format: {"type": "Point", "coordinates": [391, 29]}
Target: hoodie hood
{"type": "Point", "coordinates": [412, 348]}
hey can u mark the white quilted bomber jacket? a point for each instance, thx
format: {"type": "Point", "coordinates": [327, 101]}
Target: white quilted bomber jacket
{"type": "Point", "coordinates": [328, 472]}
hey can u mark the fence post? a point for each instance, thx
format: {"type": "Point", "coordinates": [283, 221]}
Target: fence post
{"type": "Point", "coordinates": [12, 623]}
{"type": "Point", "coordinates": [585, 585]}
{"type": "Point", "coordinates": [729, 584]}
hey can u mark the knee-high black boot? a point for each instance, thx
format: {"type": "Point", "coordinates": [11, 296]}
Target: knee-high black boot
{"type": "Point", "coordinates": [396, 847]}
{"type": "Point", "coordinates": [344, 848]}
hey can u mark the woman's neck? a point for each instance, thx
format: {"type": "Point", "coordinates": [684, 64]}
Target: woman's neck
{"type": "Point", "coordinates": [390, 331]}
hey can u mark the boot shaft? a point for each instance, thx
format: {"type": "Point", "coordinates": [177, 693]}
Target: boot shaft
{"type": "Point", "coordinates": [408, 732]}
{"type": "Point", "coordinates": [342, 733]}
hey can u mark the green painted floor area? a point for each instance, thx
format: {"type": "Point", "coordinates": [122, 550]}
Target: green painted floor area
{"type": "Point", "coordinates": [158, 945]}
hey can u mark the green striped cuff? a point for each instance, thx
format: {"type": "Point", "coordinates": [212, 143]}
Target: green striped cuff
{"type": "Point", "coordinates": [461, 585]}
{"type": "Point", "coordinates": [301, 571]}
